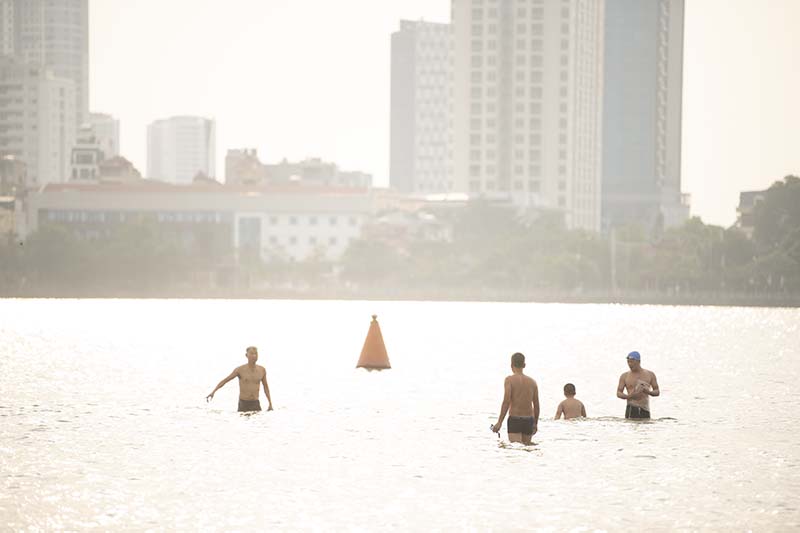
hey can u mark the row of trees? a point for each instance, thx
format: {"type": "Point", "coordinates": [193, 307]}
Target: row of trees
{"type": "Point", "coordinates": [498, 249]}
{"type": "Point", "coordinates": [492, 249]}
{"type": "Point", "coordinates": [140, 258]}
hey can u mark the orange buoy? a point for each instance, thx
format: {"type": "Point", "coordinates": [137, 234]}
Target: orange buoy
{"type": "Point", "coordinates": [373, 354]}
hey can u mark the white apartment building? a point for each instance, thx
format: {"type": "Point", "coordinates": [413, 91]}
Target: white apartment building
{"type": "Point", "coordinates": [106, 133]}
{"type": "Point", "coordinates": [86, 156]}
{"type": "Point", "coordinates": [179, 148]}
{"type": "Point", "coordinates": [299, 231]}
{"type": "Point", "coordinates": [421, 147]}
{"type": "Point", "coordinates": [55, 35]}
{"type": "Point", "coordinates": [528, 103]}
{"type": "Point", "coordinates": [38, 122]}
{"type": "Point", "coordinates": [287, 222]}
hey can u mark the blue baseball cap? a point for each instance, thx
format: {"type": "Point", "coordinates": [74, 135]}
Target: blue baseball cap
{"type": "Point", "coordinates": [635, 355]}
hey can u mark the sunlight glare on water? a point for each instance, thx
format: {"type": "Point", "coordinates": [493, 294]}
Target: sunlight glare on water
{"type": "Point", "coordinates": [103, 422]}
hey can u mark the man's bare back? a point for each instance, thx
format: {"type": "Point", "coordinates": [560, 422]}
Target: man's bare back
{"type": "Point", "coordinates": [523, 388]}
{"type": "Point", "coordinates": [570, 408]}
{"type": "Point", "coordinates": [520, 402]}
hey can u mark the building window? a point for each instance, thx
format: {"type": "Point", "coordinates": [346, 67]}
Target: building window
{"type": "Point", "coordinates": [292, 220]}
{"type": "Point", "coordinates": [312, 220]}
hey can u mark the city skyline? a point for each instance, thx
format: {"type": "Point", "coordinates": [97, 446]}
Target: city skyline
{"type": "Point", "coordinates": [330, 97]}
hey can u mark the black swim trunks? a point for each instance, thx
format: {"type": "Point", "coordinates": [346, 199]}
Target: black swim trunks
{"type": "Point", "coordinates": [632, 411]}
{"type": "Point", "coordinates": [249, 405]}
{"type": "Point", "coordinates": [520, 424]}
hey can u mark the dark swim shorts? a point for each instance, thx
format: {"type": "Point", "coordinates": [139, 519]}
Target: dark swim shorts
{"type": "Point", "coordinates": [520, 424]}
{"type": "Point", "coordinates": [249, 405]}
{"type": "Point", "coordinates": [632, 411]}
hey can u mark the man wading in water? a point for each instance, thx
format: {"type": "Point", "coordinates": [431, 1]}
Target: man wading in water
{"type": "Point", "coordinates": [641, 384]}
{"type": "Point", "coordinates": [521, 402]}
{"type": "Point", "coordinates": [250, 375]}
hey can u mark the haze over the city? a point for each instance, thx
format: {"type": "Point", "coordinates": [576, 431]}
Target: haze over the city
{"type": "Point", "coordinates": [311, 78]}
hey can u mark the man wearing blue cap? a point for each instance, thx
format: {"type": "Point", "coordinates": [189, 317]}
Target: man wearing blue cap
{"type": "Point", "coordinates": [640, 385]}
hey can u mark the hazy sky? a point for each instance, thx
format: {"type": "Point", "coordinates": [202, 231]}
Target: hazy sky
{"type": "Point", "coordinates": [300, 78]}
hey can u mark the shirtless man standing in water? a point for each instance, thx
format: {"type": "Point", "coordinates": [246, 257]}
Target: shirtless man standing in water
{"type": "Point", "coordinates": [250, 375]}
{"type": "Point", "coordinates": [640, 384]}
{"type": "Point", "coordinates": [522, 399]}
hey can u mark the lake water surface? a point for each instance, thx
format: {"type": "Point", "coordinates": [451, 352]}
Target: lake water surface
{"type": "Point", "coordinates": [103, 422]}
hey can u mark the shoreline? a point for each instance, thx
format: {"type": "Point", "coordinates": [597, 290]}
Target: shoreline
{"type": "Point", "coordinates": [621, 298]}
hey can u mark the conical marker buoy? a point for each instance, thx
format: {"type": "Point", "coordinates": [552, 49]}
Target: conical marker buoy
{"type": "Point", "coordinates": [373, 354]}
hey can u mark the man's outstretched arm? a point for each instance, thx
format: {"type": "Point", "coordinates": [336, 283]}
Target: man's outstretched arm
{"type": "Point", "coordinates": [222, 383]}
{"type": "Point", "coordinates": [504, 407]}
{"type": "Point", "coordinates": [266, 390]}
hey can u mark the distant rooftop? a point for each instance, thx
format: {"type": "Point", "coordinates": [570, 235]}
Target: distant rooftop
{"type": "Point", "coordinates": [153, 186]}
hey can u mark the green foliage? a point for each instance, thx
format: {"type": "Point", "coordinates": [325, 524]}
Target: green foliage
{"type": "Point", "coordinates": [778, 215]}
{"type": "Point", "coordinates": [139, 257]}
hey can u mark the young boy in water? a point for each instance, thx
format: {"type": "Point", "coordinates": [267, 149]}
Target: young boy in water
{"type": "Point", "coordinates": [570, 408]}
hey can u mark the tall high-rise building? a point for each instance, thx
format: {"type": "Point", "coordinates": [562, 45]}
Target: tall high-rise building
{"type": "Point", "coordinates": [106, 133]}
{"type": "Point", "coordinates": [528, 103]}
{"type": "Point", "coordinates": [421, 147]}
{"type": "Point", "coordinates": [643, 81]}
{"type": "Point", "coordinates": [38, 122]}
{"type": "Point", "coordinates": [6, 27]}
{"type": "Point", "coordinates": [55, 35]}
{"type": "Point", "coordinates": [180, 148]}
